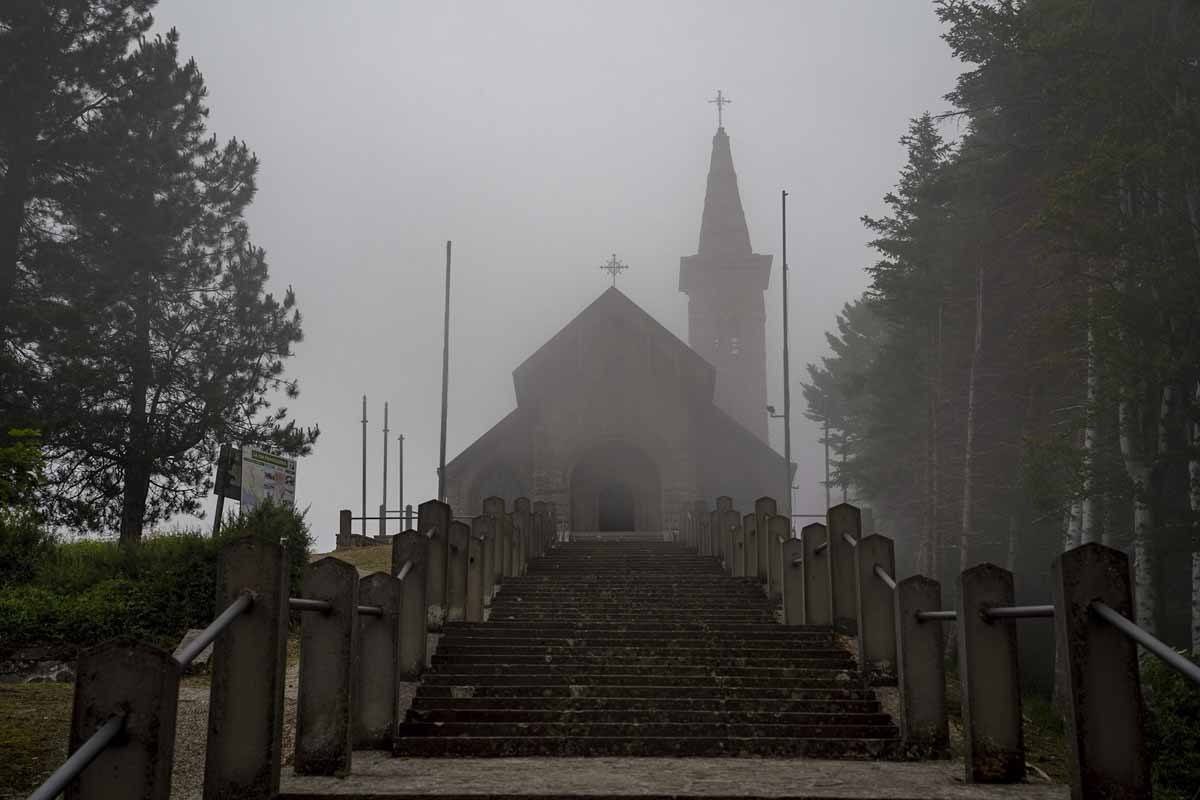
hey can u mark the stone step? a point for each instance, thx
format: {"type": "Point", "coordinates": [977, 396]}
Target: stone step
{"type": "Point", "coordinates": [529, 746]}
{"type": "Point", "coordinates": [634, 655]}
{"type": "Point", "coordinates": [549, 689]}
{"type": "Point", "coordinates": [686, 626]}
{"type": "Point", "coordinates": [595, 667]}
{"type": "Point", "coordinates": [638, 715]}
{"type": "Point", "coordinates": [803, 680]}
{"type": "Point", "coordinates": [646, 730]}
{"type": "Point", "coordinates": [651, 707]}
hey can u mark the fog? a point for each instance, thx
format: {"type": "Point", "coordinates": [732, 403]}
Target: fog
{"type": "Point", "coordinates": [541, 137]}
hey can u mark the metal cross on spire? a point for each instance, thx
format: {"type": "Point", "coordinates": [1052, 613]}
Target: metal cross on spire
{"type": "Point", "coordinates": [720, 100]}
{"type": "Point", "coordinates": [614, 267]}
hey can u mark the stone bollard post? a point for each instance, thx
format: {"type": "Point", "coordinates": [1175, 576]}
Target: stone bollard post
{"type": "Point", "coordinates": [844, 519]}
{"type": "Point", "coordinates": [507, 546]}
{"type": "Point", "coordinates": [737, 546]}
{"type": "Point", "coordinates": [249, 661]}
{"type": "Point", "coordinates": [750, 537]}
{"type": "Point", "coordinates": [456, 571]}
{"type": "Point", "coordinates": [1106, 715]}
{"type": "Point", "coordinates": [991, 682]}
{"type": "Point", "coordinates": [411, 547]}
{"type": "Point", "coordinates": [141, 682]}
{"type": "Point", "coordinates": [700, 520]}
{"type": "Point", "coordinates": [526, 527]}
{"type": "Point", "coordinates": [792, 551]}
{"type": "Point", "coordinates": [376, 692]}
{"type": "Point", "coordinates": [327, 648]}
{"type": "Point", "coordinates": [475, 571]}
{"type": "Point", "coordinates": [494, 507]}
{"type": "Point", "coordinates": [520, 528]}
{"type": "Point", "coordinates": [764, 509]}
{"type": "Point", "coordinates": [545, 512]}
{"type": "Point", "coordinates": [714, 536]}
{"type": "Point", "coordinates": [433, 516]}
{"type": "Point", "coordinates": [551, 516]}
{"type": "Point", "coordinates": [876, 616]}
{"type": "Point", "coordinates": [921, 668]}
{"type": "Point", "coordinates": [778, 527]}
{"type": "Point", "coordinates": [818, 599]}
{"type": "Point", "coordinates": [731, 521]}
{"type": "Point", "coordinates": [345, 537]}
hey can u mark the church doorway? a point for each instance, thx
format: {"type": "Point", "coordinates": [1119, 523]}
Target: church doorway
{"type": "Point", "coordinates": [614, 508]}
{"type": "Point", "coordinates": [615, 486]}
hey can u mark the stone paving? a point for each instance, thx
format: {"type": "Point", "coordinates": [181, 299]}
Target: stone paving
{"type": "Point", "coordinates": [378, 775]}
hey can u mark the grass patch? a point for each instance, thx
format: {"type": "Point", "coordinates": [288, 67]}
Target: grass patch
{"type": "Point", "coordinates": [367, 559]}
{"type": "Point", "coordinates": [33, 738]}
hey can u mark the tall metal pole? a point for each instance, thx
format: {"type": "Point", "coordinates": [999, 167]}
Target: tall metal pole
{"type": "Point", "coordinates": [400, 469]}
{"type": "Point", "coordinates": [787, 376]}
{"type": "Point", "coordinates": [445, 382]}
{"type": "Point", "coordinates": [383, 497]}
{"type": "Point", "coordinates": [364, 467]}
{"type": "Point", "coordinates": [828, 501]}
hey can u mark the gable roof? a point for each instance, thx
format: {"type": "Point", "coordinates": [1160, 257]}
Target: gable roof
{"type": "Point", "coordinates": [697, 372]}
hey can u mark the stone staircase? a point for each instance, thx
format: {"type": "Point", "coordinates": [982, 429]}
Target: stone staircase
{"type": "Point", "coordinates": [636, 647]}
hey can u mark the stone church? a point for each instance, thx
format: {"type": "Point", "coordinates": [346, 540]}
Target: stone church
{"type": "Point", "coordinates": [621, 424]}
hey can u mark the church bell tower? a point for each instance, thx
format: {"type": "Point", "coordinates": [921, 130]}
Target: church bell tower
{"type": "Point", "coordinates": [724, 283]}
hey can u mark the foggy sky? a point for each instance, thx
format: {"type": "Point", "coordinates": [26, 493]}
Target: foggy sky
{"type": "Point", "coordinates": [541, 137]}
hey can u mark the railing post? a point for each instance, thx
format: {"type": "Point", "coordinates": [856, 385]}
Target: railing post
{"type": "Point", "coordinates": [434, 515]}
{"type": "Point", "coordinates": [818, 600]}
{"type": "Point", "coordinates": [764, 509]}
{"type": "Point", "coordinates": [476, 547]}
{"type": "Point", "coordinates": [731, 521]}
{"type": "Point", "coordinates": [750, 540]}
{"type": "Point", "coordinates": [700, 521]}
{"type": "Point", "coordinates": [141, 682]}
{"type": "Point", "coordinates": [412, 546]}
{"type": "Point", "coordinates": [876, 609]}
{"type": "Point", "coordinates": [778, 527]}
{"type": "Point", "coordinates": [1105, 719]}
{"type": "Point", "coordinates": [921, 668]}
{"type": "Point", "coordinates": [521, 532]}
{"type": "Point", "coordinates": [523, 511]}
{"type": "Point", "coordinates": [544, 511]}
{"type": "Point", "coordinates": [456, 571]}
{"type": "Point", "coordinates": [737, 535]}
{"type": "Point", "coordinates": [991, 689]}
{"type": "Point", "coordinates": [376, 691]}
{"type": "Point", "coordinates": [792, 552]}
{"type": "Point", "coordinates": [507, 546]}
{"type": "Point", "coordinates": [327, 648]}
{"type": "Point", "coordinates": [249, 662]}
{"type": "Point", "coordinates": [494, 507]}
{"type": "Point", "coordinates": [345, 527]}
{"type": "Point", "coordinates": [844, 519]}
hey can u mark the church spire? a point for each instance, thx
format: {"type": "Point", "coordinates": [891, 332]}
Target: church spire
{"type": "Point", "coordinates": [723, 231]}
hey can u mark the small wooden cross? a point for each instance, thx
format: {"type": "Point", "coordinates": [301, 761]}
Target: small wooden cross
{"type": "Point", "coordinates": [720, 100]}
{"type": "Point", "coordinates": [614, 267]}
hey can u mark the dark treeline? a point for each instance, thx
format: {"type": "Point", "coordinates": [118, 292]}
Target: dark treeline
{"type": "Point", "coordinates": [136, 330]}
{"type": "Point", "coordinates": [1023, 374]}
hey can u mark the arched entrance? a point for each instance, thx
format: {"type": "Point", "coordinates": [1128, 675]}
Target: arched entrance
{"type": "Point", "coordinates": [615, 487]}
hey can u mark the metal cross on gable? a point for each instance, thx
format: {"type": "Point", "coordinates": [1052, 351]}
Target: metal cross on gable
{"type": "Point", "coordinates": [720, 100]}
{"type": "Point", "coordinates": [614, 267]}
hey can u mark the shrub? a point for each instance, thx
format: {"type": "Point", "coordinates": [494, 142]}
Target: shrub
{"type": "Point", "coordinates": [24, 545]}
{"type": "Point", "coordinates": [272, 524]}
{"type": "Point", "coordinates": [1173, 704]}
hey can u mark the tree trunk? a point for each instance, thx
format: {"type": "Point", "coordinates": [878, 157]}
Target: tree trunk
{"type": "Point", "coordinates": [1137, 466]}
{"type": "Point", "coordinates": [1194, 505]}
{"type": "Point", "coordinates": [966, 532]}
{"type": "Point", "coordinates": [138, 458]}
{"type": "Point", "coordinates": [13, 198]}
{"type": "Point", "coordinates": [1087, 509]}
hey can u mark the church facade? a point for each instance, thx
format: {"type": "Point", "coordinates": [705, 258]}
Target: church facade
{"type": "Point", "coordinates": [621, 424]}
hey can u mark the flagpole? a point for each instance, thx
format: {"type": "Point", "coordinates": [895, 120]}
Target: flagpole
{"type": "Point", "coordinates": [445, 382]}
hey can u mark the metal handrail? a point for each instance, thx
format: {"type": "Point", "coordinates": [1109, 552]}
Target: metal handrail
{"type": "Point", "coordinates": [883, 576]}
{"type": "Point", "coordinates": [215, 628]}
{"type": "Point", "coordinates": [936, 616]}
{"type": "Point", "coordinates": [304, 604]}
{"type": "Point", "coordinates": [850, 540]}
{"type": "Point", "coordinates": [1134, 631]}
{"type": "Point", "coordinates": [84, 755]}
{"type": "Point", "coordinates": [1019, 612]}
{"type": "Point", "coordinates": [403, 573]}
{"type": "Point", "coordinates": [797, 561]}
{"type": "Point", "coordinates": [821, 548]}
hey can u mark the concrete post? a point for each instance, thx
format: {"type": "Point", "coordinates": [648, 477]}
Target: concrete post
{"type": "Point", "coordinates": [249, 661]}
{"type": "Point", "coordinates": [843, 519]}
{"type": "Point", "coordinates": [520, 529]}
{"type": "Point", "coordinates": [140, 681]}
{"type": "Point", "coordinates": [551, 516]}
{"type": "Point", "coordinates": [434, 515]}
{"type": "Point", "coordinates": [328, 642]}
{"type": "Point", "coordinates": [991, 682]}
{"type": "Point", "coordinates": [507, 546]}
{"type": "Point", "coordinates": [376, 692]}
{"type": "Point", "coordinates": [494, 507]}
{"type": "Point", "coordinates": [818, 599]}
{"type": "Point", "coordinates": [545, 512]}
{"type": "Point", "coordinates": [456, 571]}
{"type": "Point", "coordinates": [411, 547]}
{"type": "Point", "coordinates": [524, 526]}
{"type": "Point", "coordinates": [345, 528]}
{"type": "Point", "coordinates": [731, 521]}
{"type": "Point", "coordinates": [750, 537]}
{"type": "Point", "coordinates": [876, 617]}
{"type": "Point", "coordinates": [778, 527]}
{"type": "Point", "coordinates": [737, 545]}
{"type": "Point", "coordinates": [793, 582]}
{"type": "Point", "coordinates": [476, 569]}
{"type": "Point", "coordinates": [700, 521]}
{"type": "Point", "coordinates": [921, 668]}
{"type": "Point", "coordinates": [714, 535]}
{"type": "Point", "coordinates": [1106, 716]}
{"type": "Point", "coordinates": [764, 509]}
